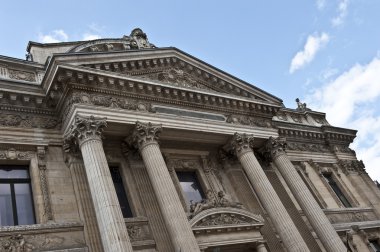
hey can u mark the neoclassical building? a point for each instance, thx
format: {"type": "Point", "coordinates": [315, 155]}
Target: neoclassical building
{"type": "Point", "coordinates": [119, 145]}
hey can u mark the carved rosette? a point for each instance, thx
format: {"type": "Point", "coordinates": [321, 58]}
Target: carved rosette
{"type": "Point", "coordinates": [84, 129]}
{"type": "Point", "coordinates": [274, 147]}
{"type": "Point", "coordinates": [241, 143]}
{"type": "Point", "coordinates": [145, 134]}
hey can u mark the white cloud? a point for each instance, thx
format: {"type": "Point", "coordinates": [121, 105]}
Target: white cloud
{"type": "Point", "coordinates": [342, 13]}
{"type": "Point", "coordinates": [348, 101]}
{"type": "Point", "coordinates": [328, 73]}
{"type": "Point", "coordinates": [88, 36]}
{"type": "Point", "coordinates": [54, 37]}
{"type": "Point", "coordinates": [313, 44]}
{"type": "Point", "coordinates": [321, 4]}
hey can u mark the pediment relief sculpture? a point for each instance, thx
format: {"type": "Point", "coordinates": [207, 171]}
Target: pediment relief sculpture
{"type": "Point", "coordinates": [212, 202]}
{"type": "Point", "coordinates": [176, 77]}
{"type": "Point", "coordinates": [225, 217]}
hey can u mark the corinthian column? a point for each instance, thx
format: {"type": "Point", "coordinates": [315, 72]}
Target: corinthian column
{"type": "Point", "coordinates": [145, 138]}
{"type": "Point", "coordinates": [275, 151]}
{"type": "Point", "coordinates": [241, 146]}
{"type": "Point", "coordinates": [86, 133]}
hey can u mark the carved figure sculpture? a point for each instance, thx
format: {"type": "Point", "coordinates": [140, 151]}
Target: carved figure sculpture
{"type": "Point", "coordinates": [223, 202]}
{"type": "Point", "coordinates": [204, 204]}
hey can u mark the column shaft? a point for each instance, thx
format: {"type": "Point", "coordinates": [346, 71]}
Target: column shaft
{"type": "Point", "coordinates": [272, 203]}
{"type": "Point", "coordinates": [175, 218]}
{"type": "Point", "coordinates": [91, 229]}
{"type": "Point", "coordinates": [312, 210]}
{"type": "Point", "coordinates": [261, 248]}
{"type": "Point", "coordinates": [111, 223]}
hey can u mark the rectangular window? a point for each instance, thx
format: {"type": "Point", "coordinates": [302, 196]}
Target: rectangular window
{"type": "Point", "coordinates": [120, 191]}
{"type": "Point", "coordinates": [374, 245]}
{"type": "Point", "coordinates": [190, 186]}
{"type": "Point", "coordinates": [16, 202]}
{"type": "Point", "coordinates": [337, 190]}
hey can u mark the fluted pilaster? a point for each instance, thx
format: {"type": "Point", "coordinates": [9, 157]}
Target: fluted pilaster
{"type": "Point", "coordinates": [145, 138]}
{"type": "Point", "coordinates": [275, 150]}
{"type": "Point", "coordinates": [86, 132]}
{"type": "Point", "coordinates": [241, 145]}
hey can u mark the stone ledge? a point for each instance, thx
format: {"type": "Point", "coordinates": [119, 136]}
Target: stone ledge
{"type": "Point", "coordinates": [361, 225]}
{"type": "Point", "coordinates": [39, 228]}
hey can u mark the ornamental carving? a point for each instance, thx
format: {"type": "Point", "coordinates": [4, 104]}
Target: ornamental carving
{"type": "Point", "coordinates": [21, 243]}
{"type": "Point", "coordinates": [342, 149]}
{"type": "Point", "coordinates": [176, 77]}
{"type": "Point", "coordinates": [221, 219]}
{"type": "Point", "coordinates": [28, 121]}
{"type": "Point", "coordinates": [248, 120]}
{"type": "Point", "coordinates": [13, 154]}
{"type": "Point", "coordinates": [274, 147]}
{"type": "Point", "coordinates": [350, 166]}
{"type": "Point", "coordinates": [84, 128]}
{"type": "Point", "coordinates": [240, 143]}
{"type": "Point", "coordinates": [307, 147]}
{"type": "Point", "coordinates": [107, 101]}
{"type": "Point", "coordinates": [41, 157]}
{"type": "Point", "coordinates": [21, 75]}
{"type": "Point", "coordinates": [212, 202]}
{"type": "Point", "coordinates": [144, 133]}
{"type": "Point", "coordinates": [134, 232]}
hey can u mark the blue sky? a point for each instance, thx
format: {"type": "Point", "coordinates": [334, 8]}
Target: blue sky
{"type": "Point", "coordinates": [327, 53]}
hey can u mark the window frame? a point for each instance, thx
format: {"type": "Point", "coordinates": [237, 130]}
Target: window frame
{"type": "Point", "coordinates": [340, 187]}
{"type": "Point", "coordinates": [12, 182]}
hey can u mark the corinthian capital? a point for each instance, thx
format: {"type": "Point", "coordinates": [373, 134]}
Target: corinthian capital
{"type": "Point", "coordinates": [84, 128]}
{"type": "Point", "coordinates": [274, 147]}
{"type": "Point", "coordinates": [240, 143]}
{"type": "Point", "coordinates": [145, 133]}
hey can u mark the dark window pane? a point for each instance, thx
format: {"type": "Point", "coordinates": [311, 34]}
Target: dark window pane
{"type": "Point", "coordinates": [24, 204]}
{"type": "Point", "coordinates": [337, 190]}
{"type": "Point", "coordinates": [375, 245]}
{"type": "Point", "coordinates": [6, 214]}
{"type": "Point", "coordinates": [120, 191]}
{"type": "Point", "coordinates": [190, 186]}
{"type": "Point", "coordinates": [9, 173]}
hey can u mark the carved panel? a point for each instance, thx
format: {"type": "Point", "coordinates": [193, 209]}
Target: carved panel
{"type": "Point", "coordinates": [21, 75]}
{"type": "Point", "coordinates": [249, 120]}
{"type": "Point", "coordinates": [28, 121]}
{"type": "Point", "coordinates": [14, 154]}
{"type": "Point", "coordinates": [307, 147]}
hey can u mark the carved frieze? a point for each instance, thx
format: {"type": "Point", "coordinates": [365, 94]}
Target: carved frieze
{"type": "Point", "coordinates": [311, 147]}
{"type": "Point", "coordinates": [352, 166]}
{"type": "Point", "coordinates": [249, 120]}
{"type": "Point", "coordinates": [342, 149]}
{"type": "Point", "coordinates": [13, 154]}
{"type": "Point", "coordinates": [29, 243]}
{"type": "Point", "coordinates": [21, 75]}
{"type": "Point", "coordinates": [29, 121]}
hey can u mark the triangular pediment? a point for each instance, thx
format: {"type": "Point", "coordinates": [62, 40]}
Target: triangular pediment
{"type": "Point", "coordinates": [225, 216]}
{"type": "Point", "coordinates": [169, 66]}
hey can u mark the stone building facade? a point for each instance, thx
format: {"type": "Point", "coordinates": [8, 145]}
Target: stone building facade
{"type": "Point", "coordinates": [118, 145]}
